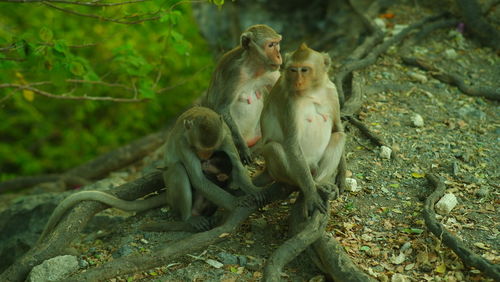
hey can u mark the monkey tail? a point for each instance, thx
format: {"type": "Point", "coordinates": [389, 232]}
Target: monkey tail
{"type": "Point", "coordinates": [102, 197]}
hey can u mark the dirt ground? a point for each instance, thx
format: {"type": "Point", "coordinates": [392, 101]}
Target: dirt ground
{"type": "Point", "coordinates": [381, 225]}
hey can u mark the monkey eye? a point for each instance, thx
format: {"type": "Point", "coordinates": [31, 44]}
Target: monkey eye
{"type": "Point", "coordinates": [294, 70]}
{"type": "Point", "coordinates": [270, 45]}
{"type": "Point", "coordinates": [304, 69]}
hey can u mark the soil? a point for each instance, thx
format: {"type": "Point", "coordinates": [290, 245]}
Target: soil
{"type": "Point", "coordinates": [381, 225]}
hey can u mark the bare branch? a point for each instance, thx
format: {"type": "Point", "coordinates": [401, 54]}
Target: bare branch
{"type": "Point", "coordinates": [101, 18]}
{"type": "Point", "coordinates": [51, 95]}
{"type": "Point", "coordinates": [91, 4]}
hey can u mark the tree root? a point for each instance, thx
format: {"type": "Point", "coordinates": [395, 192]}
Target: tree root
{"type": "Point", "coordinates": [468, 256]}
{"type": "Point", "coordinates": [312, 230]}
{"type": "Point", "coordinates": [71, 226]}
{"type": "Point", "coordinates": [477, 24]}
{"type": "Point", "coordinates": [94, 169]}
{"type": "Point", "coordinates": [135, 263]}
{"type": "Point", "coordinates": [453, 79]}
{"type": "Point", "coordinates": [366, 132]}
{"type": "Point", "coordinates": [374, 53]}
{"type": "Point", "coordinates": [326, 253]}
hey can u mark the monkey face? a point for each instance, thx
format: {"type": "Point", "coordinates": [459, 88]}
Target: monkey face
{"type": "Point", "coordinates": [300, 77]}
{"type": "Point", "coordinates": [272, 50]}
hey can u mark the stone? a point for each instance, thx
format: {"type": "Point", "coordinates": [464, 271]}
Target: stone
{"type": "Point", "coordinates": [351, 185]}
{"type": "Point", "coordinates": [446, 203]}
{"type": "Point", "coordinates": [54, 269]}
{"type": "Point", "coordinates": [385, 152]}
{"type": "Point", "coordinates": [417, 120]}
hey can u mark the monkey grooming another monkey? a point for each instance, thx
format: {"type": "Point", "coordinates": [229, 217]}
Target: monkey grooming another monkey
{"type": "Point", "coordinates": [302, 135]}
{"type": "Point", "coordinates": [198, 148]}
{"type": "Point", "coordinates": [241, 79]}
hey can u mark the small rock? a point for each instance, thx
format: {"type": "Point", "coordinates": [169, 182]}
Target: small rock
{"type": "Point", "coordinates": [54, 269]}
{"type": "Point", "coordinates": [483, 192]}
{"type": "Point", "coordinates": [398, 28]}
{"type": "Point", "coordinates": [254, 264]}
{"type": "Point", "coordinates": [455, 168]}
{"type": "Point", "coordinates": [405, 246]}
{"type": "Point", "coordinates": [319, 278]}
{"type": "Point", "coordinates": [446, 203]}
{"type": "Point", "coordinates": [418, 77]}
{"type": "Point", "coordinates": [242, 260]}
{"type": "Point", "coordinates": [124, 250]}
{"type": "Point", "coordinates": [451, 54]}
{"type": "Point", "coordinates": [380, 23]}
{"type": "Point", "coordinates": [385, 152]}
{"type": "Point", "coordinates": [417, 120]}
{"type": "Point", "coordinates": [83, 263]}
{"type": "Point", "coordinates": [398, 277]}
{"type": "Point", "coordinates": [351, 185]}
{"type": "Point", "coordinates": [471, 112]}
{"type": "Point", "coordinates": [227, 258]}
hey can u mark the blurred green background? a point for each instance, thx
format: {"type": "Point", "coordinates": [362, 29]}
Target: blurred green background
{"type": "Point", "coordinates": [164, 61]}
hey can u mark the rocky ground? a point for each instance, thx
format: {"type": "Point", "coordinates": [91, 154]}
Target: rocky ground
{"type": "Point", "coordinates": [430, 126]}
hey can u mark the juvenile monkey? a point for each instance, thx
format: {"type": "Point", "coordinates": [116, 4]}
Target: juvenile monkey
{"type": "Point", "coordinates": [199, 147]}
{"type": "Point", "coordinates": [302, 135]}
{"type": "Point", "coordinates": [242, 77]}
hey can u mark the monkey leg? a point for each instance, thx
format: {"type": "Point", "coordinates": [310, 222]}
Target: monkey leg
{"type": "Point", "coordinates": [262, 178]}
{"type": "Point", "coordinates": [329, 163]}
{"type": "Point", "coordinates": [179, 191]}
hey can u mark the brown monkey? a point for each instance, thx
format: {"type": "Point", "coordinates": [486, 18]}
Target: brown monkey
{"type": "Point", "coordinates": [302, 135]}
{"type": "Point", "coordinates": [242, 77]}
{"type": "Point", "coordinates": [199, 146]}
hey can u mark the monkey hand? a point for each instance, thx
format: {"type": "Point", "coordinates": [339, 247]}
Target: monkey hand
{"type": "Point", "coordinates": [327, 191]}
{"type": "Point", "coordinates": [245, 155]}
{"type": "Point", "coordinates": [253, 199]}
{"type": "Point", "coordinates": [314, 202]}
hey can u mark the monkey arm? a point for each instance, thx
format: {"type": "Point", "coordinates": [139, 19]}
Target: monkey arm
{"type": "Point", "coordinates": [209, 190]}
{"type": "Point", "coordinates": [222, 94]}
{"type": "Point", "coordinates": [239, 141]}
{"type": "Point", "coordinates": [239, 173]}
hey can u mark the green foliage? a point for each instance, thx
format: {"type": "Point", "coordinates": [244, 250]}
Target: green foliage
{"type": "Point", "coordinates": [66, 54]}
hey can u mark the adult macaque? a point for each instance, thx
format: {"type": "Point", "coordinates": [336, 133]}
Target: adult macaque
{"type": "Point", "coordinates": [242, 77]}
{"type": "Point", "coordinates": [198, 148]}
{"type": "Point", "coordinates": [302, 135]}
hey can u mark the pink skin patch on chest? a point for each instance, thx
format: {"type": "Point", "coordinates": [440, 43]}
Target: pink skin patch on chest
{"type": "Point", "coordinates": [253, 141]}
{"type": "Point", "coordinates": [258, 94]}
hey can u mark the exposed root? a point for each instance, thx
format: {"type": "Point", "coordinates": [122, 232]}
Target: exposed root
{"type": "Point", "coordinates": [491, 93]}
{"type": "Point", "coordinates": [72, 225]}
{"type": "Point", "coordinates": [366, 132]}
{"type": "Point", "coordinates": [468, 256]}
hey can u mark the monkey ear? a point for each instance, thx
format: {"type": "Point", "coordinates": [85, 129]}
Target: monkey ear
{"type": "Point", "coordinates": [286, 58]}
{"type": "Point", "coordinates": [327, 60]}
{"type": "Point", "coordinates": [245, 39]}
{"type": "Point", "coordinates": [188, 123]}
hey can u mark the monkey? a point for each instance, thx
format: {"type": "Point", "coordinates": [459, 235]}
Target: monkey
{"type": "Point", "coordinates": [302, 134]}
{"type": "Point", "coordinates": [198, 147]}
{"type": "Point", "coordinates": [243, 76]}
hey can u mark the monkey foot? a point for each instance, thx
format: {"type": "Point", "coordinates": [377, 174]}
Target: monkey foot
{"type": "Point", "coordinates": [201, 223]}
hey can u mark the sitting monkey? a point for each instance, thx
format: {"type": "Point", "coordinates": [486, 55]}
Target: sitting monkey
{"type": "Point", "coordinates": [199, 148]}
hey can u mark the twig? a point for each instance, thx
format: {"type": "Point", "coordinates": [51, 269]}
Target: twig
{"type": "Point", "coordinates": [62, 97]}
{"type": "Point", "coordinates": [468, 257]}
{"type": "Point", "coordinates": [93, 169]}
{"type": "Point", "coordinates": [453, 79]}
{"type": "Point", "coordinates": [90, 4]}
{"type": "Point", "coordinates": [101, 18]}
